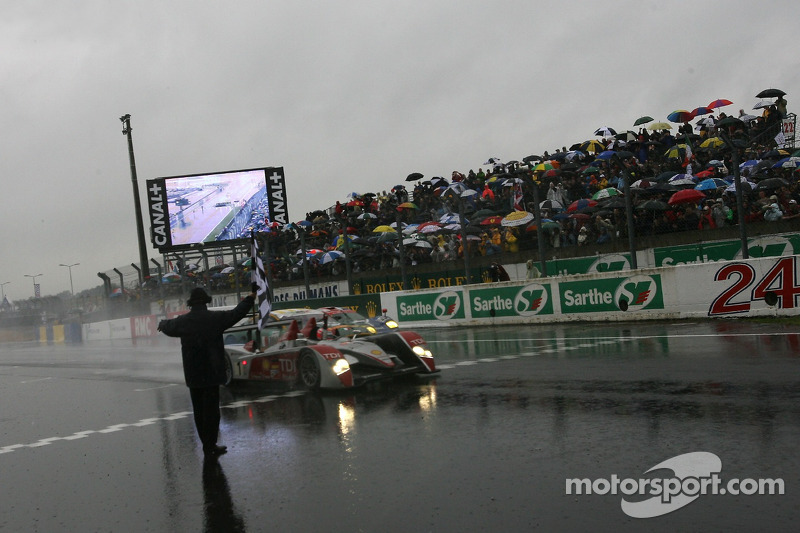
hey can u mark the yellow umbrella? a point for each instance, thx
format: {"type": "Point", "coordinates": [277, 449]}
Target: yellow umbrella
{"type": "Point", "coordinates": [516, 218]}
{"type": "Point", "coordinates": [592, 146]}
{"type": "Point", "coordinates": [659, 126]}
{"type": "Point", "coordinates": [384, 229]}
{"type": "Point", "coordinates": [712, 142]}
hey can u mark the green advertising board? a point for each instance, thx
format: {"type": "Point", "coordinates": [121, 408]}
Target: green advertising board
{"type": "Point", "coordinates": [633, 293]}
{"type": "Point", "coordinates": [529, 300]}
{"type": "Point", "coordinates": [765, 246]}
{"type": "Point", "coordinates": [430, 306]}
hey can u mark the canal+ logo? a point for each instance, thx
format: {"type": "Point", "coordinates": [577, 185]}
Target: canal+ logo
{"type": "Point", "coordinates": [636, 293]}
{"type": "Point", "coordinates": [530, 300]}
{"type": "Point", "coordinates": [446, 305]}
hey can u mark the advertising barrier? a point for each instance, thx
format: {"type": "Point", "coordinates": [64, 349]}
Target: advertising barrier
{"type": "Point", "coordinates": [765, 286]}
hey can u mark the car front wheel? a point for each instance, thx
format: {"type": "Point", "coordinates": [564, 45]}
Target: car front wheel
{"type": "Point", "coordinates": [228, 371]}
{"type": "Point", "coordinates": [308, 370]}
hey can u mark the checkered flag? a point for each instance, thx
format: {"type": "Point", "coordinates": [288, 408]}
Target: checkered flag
{"type": "Point", "coordinates": [259, 277]}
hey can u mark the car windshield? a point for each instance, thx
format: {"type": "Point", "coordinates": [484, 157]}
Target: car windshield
{"type": "Point", "coordinates": [349, 317]}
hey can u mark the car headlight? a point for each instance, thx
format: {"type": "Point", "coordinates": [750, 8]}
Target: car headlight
{"type": "Point", "coordinates": [371, 329]}
{"type": "Point", "coordinates": [340, 366]}
{"type": "Point", "coordinates": [422, 352]}
{"type": "Point", "coordinates": [391, 324]}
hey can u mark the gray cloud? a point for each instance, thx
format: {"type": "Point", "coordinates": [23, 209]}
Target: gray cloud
{"type": "Point", "coordinates": [345, 95]}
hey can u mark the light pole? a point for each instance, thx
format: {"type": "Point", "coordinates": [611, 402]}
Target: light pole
{"type": "Point", "coordinates": [2, 289]}
{"type": "Point", "coordinates": [34, 276]}
{"type": "Point", "coordinates": [126, 130]}
{"type": "Point", "coordinates": [71, 290]}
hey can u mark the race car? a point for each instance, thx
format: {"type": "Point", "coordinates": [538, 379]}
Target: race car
{"type": "Point", "coordinates": [283, 352]}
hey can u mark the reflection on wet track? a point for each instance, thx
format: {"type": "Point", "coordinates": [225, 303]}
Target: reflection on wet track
{"type": "Point", "coordinates": [488, 443]}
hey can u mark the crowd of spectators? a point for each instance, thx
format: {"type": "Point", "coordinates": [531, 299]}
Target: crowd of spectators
{"type": "Point", "coordinates": [580, 191]}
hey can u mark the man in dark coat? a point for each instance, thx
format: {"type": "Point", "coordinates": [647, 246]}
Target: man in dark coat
{"type": "Point", "coordinates": [203, 353]}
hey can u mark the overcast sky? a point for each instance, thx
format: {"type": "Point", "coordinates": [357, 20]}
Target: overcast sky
{"type": "Point", "coordinates": [346, 96]}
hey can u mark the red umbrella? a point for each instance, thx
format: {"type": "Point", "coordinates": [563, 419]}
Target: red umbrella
{"type": "Point", "coordinates": [719, 103]}
{"type": "Point", "coordinates": [491, 221]}
{"type": "Point", "coordinates": [705, 174]}
{"type": "Point", "coordinates": [702, 111]}
{"type": "Point", "coordinates": [686, 196]}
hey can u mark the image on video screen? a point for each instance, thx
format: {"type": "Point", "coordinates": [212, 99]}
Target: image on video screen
{"type": "Point", "coordinates": [216, 207]}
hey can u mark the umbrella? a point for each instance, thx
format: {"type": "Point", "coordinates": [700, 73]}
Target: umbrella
{"type": "Point", "coordinates": [653, 205]}
{"type": "Point", "coordinates": [686, 196]}
{"type": "Point", "coordinates": [407, 205]}
{"type": "Point", "coordinates": [365, 216]}
{"type": "Point", "coordinates": [719, 103]}
{"type": "Point", "coordinates": [546, 224]}
{"type": "Point", "coordinates": [551, 204]}
{"type": "Point", "coordinates": [747, 118]}
{"type": "Point", "coordinates": [544, 166]}
{"type": "Point", "coordinates": [704, 174]}
{"type": "Point", "coordinates": [574, 154]}
{"type": "Point", "coordinates": [170, 278]}
{"type": "Point", "coordinates": [641, 184]}
{"type": "Point", "coordinates": [491, 221]}
{"type": "Point", "coordinates": [659, 126]}
{"type": "Point", "coordinates": [701, 111]}
{"type": "Point", "coordinates": [681, 115]}
{"type": "Point", "coordinates": [681, 180]}
{"type": "Point", "coordinates": [552, 173]}
{"type": "Point", "coordinates": [354, 203]}
{"type": "Point", "coordinates": [421, 244]}
{"type": "Point", "coordinates": [608, 192]}
{"type": "Point", "coordinates": [592, 146]}
{"type": "Point", "coordinates": [384, 229]}
{"type": "Point", "coordinates": [492, 161]}
{"type": "Point", "coordinates": [770, 93]}
{"type": "Point", "coordinates": [580, 216]}
{"type": "Point", "coordinates": [747, 186]}
{"type": "Point", "coordinates": [771, 183]}
{"type": "Point", "coordinates": [711, 184]}
{"type": "Point", "coordinates": [706, 121]}
{"type": "Point", "coordinates": [787, 162]}
{"type": "Point", "coordinates": [762, 104]}
{"type": "Point", "coordinates": [605, 131]}
{"type": "Point", "coordinates": [414, 176]}
{"type": "Point", "coordinates": [676, 152]}
{"type": "Point", "coordinates": [579, 205]}
{"type": "Point", "coordinates": [450, 219]}
{"type": "Point", "coordinates": [606, 154]}
{"type": "Point", "coordinates": [643, 120]}
{"type": "Point", "coordinates": [712, 142]}
{"type": "Point", "coordinates": [517, 218]}
{"type": "Point", "coordinates": [330, 257]}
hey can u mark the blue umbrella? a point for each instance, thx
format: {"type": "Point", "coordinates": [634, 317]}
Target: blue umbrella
{"type": "Point", "coordinates": [608, 154]}
{"type": "Point", "coordinates": [711, 184]}
{"type": "Point", "coordinates": [330, 257]}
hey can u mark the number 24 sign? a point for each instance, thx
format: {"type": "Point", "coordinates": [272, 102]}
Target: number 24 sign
{"type": "Point", "coordinates": [778, 286]}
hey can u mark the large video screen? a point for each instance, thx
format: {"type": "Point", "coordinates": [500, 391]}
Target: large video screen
{"type": "Point", "coordinates": [215, 208]}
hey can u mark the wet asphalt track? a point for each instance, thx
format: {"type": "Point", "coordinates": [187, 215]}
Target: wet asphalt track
{"type": "Point", "coordinates": [100, 437]}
